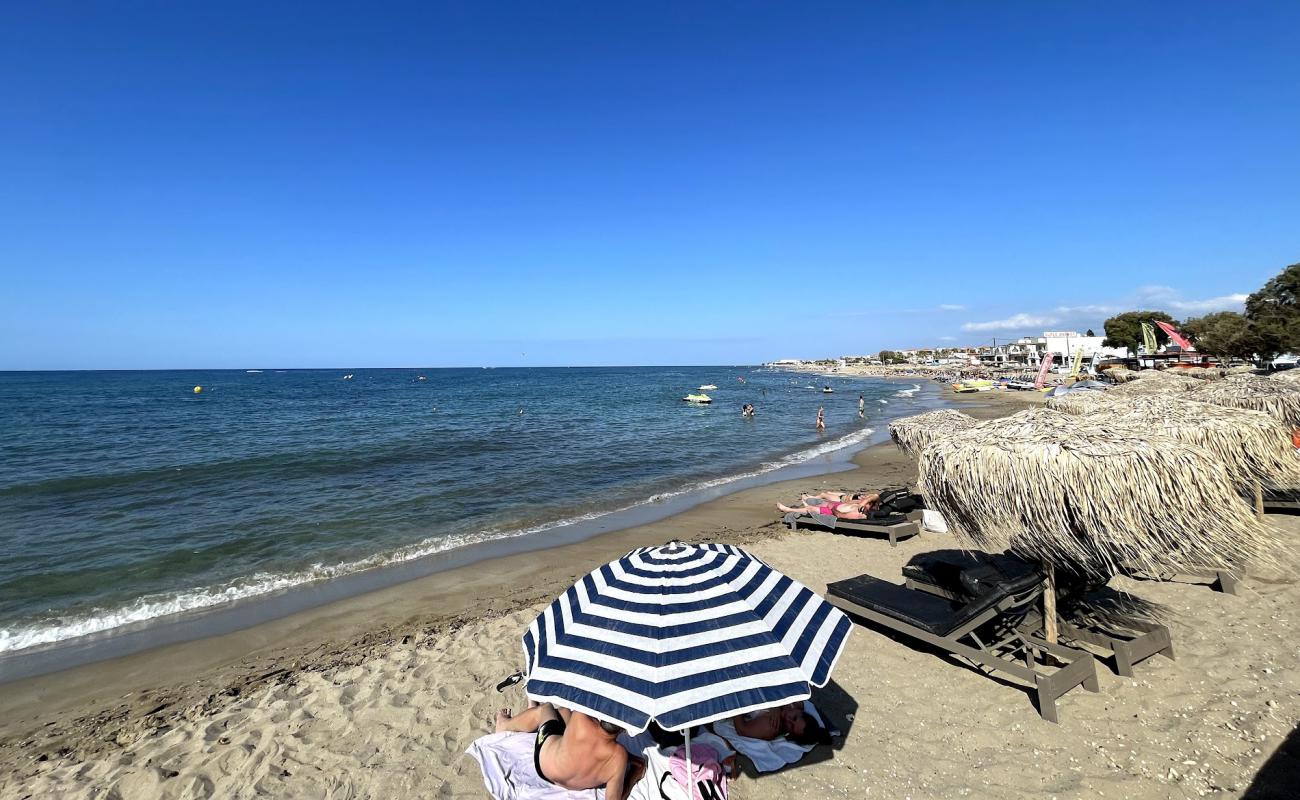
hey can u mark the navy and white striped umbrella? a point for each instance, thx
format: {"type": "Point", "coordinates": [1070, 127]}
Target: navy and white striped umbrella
{"type": "Point", "coordinates": [682, 634]}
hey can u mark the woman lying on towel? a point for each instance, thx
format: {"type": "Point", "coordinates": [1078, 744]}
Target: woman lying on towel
{"type": "Point", "coordinates": [790, 721]}
{"type": "Point", "coordinates": [850, 510]}
{"type": "Point", "coordinates": [860, 496]}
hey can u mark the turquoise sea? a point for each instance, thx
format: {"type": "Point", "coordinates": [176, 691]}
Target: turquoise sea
{"type": "Point", "coordinates": [125, 497]}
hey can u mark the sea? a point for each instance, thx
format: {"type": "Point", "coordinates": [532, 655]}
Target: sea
{"type": "Point", "coordinates": [131, 498]}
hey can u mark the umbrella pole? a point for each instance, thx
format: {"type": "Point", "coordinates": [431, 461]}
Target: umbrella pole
{"type": "Point", "coordinates": [690, 780]}
{"type": "Point", "coordinates": [1259, 500]}
{"type": "Point", "coordinates": [1049, 605]}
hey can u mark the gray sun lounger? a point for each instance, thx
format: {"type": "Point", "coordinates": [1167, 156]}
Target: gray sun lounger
{"type": "Point", "coordinates": [1220, 580]}
{"type": "Point", "coordinates": [985, 631]}
{"type": "Point", "coordinates": [895, 527]}
{"type": "Point", "coordinates": [956, 575]}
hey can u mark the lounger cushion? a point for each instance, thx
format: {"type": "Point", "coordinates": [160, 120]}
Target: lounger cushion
{"type": "Point", "coordinates": [918, 609]}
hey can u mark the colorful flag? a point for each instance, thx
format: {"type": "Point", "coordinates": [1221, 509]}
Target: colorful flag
{"type": "Point", "coordinates": [1078, 363]}
{"type": "Point", "coordinates": [1175, 337]}
{"type": "Point", "coordinates": [1149, 338]}
{"type": "Point", "coordinates": [1042, 370]}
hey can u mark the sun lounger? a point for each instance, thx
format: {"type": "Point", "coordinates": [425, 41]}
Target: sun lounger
{"type": "Point", "coordinates": [892, 526]}
{"type": "Point", "coordinates": [1281, 501]}
{"type": "Point", "coordinates": [961, 575]}
{"type": "Point", "coordinates": [985, 630]}
{"type": "Point", "coordinates": [1219, 580]}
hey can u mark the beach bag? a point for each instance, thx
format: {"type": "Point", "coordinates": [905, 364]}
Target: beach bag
{"type": "Point", "coordinates": [710, 779]}
{"type": "Point", "coordinates": [898, 500]}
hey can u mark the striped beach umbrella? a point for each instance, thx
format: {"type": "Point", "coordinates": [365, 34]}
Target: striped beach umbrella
{"type": "Point", "coordinates": [682, 634]}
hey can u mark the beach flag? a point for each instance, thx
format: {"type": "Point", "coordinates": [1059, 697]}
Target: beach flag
{"type": "Point", "coordinates": [1042, 370]}
{"type": "Point", "coordinates": [1175, 337]}
{"type": "Point", "coordinates": [1149, 338]}
{"type": "Point", "coordinates": [1078, 363]}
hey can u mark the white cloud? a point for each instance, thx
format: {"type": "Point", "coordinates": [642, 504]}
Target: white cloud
{"type": "Point", "coordinates": [947, 338]}
{"type": "Point", "coordinates": [1014, 322]}
{"type": "Point", "coordinates": [1168, 298]}
{"type": "Point", "coordinates": [951, 307]}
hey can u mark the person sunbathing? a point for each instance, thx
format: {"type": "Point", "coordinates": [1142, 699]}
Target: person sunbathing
{"type": "Point", "coordinates": [859, 510]}
{"type": "Point", "coordinates": [790, 721]}
{"type": "Point", "coordinates": [575, 751]}
{"type": "Point", "coordinates": [860, 496]}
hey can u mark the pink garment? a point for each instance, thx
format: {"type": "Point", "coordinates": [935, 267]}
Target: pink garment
{"type": "Point", "coordinates": [707, 772]}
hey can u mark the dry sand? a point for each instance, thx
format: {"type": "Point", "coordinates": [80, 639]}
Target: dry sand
{"type": "Point", "coordinates": [378, 696]}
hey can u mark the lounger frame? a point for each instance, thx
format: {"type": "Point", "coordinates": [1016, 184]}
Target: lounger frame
{"type": "Point", "coordinates": [1129, 641]}
{"type": "Point", "coordinates": [895, 532]}
{"type": "Point", "coordinates": [1002, 654]}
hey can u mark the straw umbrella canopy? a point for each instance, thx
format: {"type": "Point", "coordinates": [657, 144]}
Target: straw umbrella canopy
{"type": "Point", "coordinates": [1159, 383]}
{"type": "Point", "coordinates": [1121, 374]}
{"type": "Point", "coordinates": [1205, 373]}
{"type": "Point", "coordinates": [1070, 490]}
{"type": "Point", "coordinates": [1255, 447]}
{"type": "Point", "coordinates": [911, 434]}
{"type": "Point", "coordinates": [1285, 377]}
{"type": "Point", "coordinates": [1085, 402]}
{"type": "Point", "coordinates": [1244, 369]}
{"type": "Point", "coordinates": [1256, 394]}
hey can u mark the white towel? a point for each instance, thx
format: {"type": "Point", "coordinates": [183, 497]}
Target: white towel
{"type": "Point", "coordinates": [933, 521]}
{"type": "Point", "coordinates": [506, 760]}
{"type": "Point", "coordinates": [767, 756]}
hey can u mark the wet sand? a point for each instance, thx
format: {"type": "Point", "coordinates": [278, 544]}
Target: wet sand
{"type": "Point", "coordinates": [379, 695]}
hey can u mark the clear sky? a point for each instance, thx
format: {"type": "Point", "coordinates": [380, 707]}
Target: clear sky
{"type": "Point", "coordinates": [438, 184]}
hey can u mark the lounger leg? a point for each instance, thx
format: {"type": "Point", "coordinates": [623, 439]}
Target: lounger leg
{"type": "Point", "coordinates": [1123, 659]}
{"type": "Point", "coordinates": [1047, 703]}
{"type": "Point", "coordinates": [1226, 582]}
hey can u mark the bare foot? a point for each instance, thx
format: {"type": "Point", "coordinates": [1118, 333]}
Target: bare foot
{"type": "Point", "coordinates": [503, 718]}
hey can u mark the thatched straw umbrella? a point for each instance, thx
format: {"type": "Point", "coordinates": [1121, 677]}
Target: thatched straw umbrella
{"type": "Point", "coordinates": [1159, 383]}
{"type": "Point", "coordinates": [1256, 394]}
{"type": "Point", "coordinates": [1205, 373]}
{"type": "Point", "coordinates": [1120, 374]}
{"type": "Point", "coordinates": [1255, 447]}
{"type": "Point", "coordinates": [1286, 376]}
{"type": "Point", "coordinates": [1244, 369]}
{"type": "Point", "coordinates": [911, 434]}
{"type": "Point", "coordinates": [1085, 402]}
{"type": "Point", "coordinates": [1068, 490]}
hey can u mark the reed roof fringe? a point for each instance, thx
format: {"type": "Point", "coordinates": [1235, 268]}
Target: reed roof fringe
{"type": "Point", "coordinates": [1068, 490]}
{"type": "Point", "coordinates": [913, 433]}
{"type": "Point", "coordinates": [1255, 393]}
{"type": "Point", "coordinates": [1254, 446]}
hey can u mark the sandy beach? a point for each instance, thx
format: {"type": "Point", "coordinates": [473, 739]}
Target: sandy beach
{"type": "Point", "coordinates": [379, 695]}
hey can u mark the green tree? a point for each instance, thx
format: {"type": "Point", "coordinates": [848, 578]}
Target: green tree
{"type": "Point", "coordinates": [1225, 334]}
{"type": "Point", "coordinates": [1125, 330]}
{"type": "Point", "coordinates": [1274, 313]}
{"type": "Point", "coordinates": [887, 356]}
{"type": "Point", "coordinates": [1090, 333]}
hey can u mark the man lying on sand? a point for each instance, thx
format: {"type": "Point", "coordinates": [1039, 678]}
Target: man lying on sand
{"type": "Point", "coordinates": [575, 751]}
{"type": "Point", "coordinates": [790, 721]}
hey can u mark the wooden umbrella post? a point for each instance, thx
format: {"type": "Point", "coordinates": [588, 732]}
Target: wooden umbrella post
{"type": "Point", "coordinates": [1049, 605]}
{"type": "Point", "coordinates": [1259, 500]}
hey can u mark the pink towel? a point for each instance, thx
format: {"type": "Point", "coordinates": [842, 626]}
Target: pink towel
{"type": "Point", "coordinates": [710, 779]}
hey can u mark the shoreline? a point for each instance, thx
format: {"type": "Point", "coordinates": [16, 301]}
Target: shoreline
{"type": "Point", "coordinates": [207, 620]}
{"type": "Point", "coordinates": [395, 606]}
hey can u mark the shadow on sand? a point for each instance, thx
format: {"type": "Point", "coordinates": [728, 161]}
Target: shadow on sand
{"type": "Point", "coordinates": [1279, 778]}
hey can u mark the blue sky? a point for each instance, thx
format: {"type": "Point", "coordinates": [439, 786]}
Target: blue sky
{"type": "Point", "coordinates": [438, 184]}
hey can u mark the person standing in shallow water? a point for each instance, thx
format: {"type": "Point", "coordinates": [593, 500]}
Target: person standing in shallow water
{"type": "Point", "coordinates": [862, 407]}
{"type": "Point", "coordinates": [821, 419]}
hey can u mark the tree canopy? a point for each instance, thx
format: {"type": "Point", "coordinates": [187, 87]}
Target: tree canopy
{"type": "Point", "coordinates": [1225, 334]}
{"type": "Point", "coordinates": [1274, 313]}
{"type": "Point", "coordinates": [1125, 330]}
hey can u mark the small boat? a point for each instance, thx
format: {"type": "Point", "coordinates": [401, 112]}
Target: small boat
{"type": "Point", "coordinates": [421, 378]}
{"type": "Point", "coordinates": [701, 399]}
{"type": "Point", "coordinates": [252, 371]}
{"type": "Point", "coordinates": [707, 387]}
{"type": "Point", "coordinates": [972, 386]}
{"type": "Point", "coordinates": [827, 390]}
{"type": "Point", "coordinates": [347, 377]}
